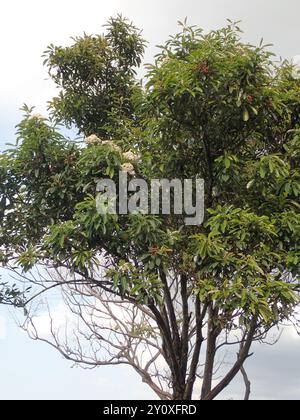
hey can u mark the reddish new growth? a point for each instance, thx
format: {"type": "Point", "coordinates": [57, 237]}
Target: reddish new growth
{"type": "Point", "coordinates": [202, 67]}
{"type": "Point", "coordinates": [250, 99]}
{"type": "Point", "coordinates": [154, 250]}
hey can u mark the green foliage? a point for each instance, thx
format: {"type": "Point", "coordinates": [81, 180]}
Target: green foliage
{"type": "Point", "coordinates": [213, 107]}
{"type": "Point", "coordinates": [96, 77]}
{"type": "Point", "coordinates": [11, 295]}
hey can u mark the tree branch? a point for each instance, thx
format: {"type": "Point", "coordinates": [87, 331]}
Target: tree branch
{"type": "Point", "coordinates": [242, 356]}
{"type": "Point", "coordinates": [247, 383]}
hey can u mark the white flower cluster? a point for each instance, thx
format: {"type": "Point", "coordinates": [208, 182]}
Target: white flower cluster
{"type": "Point", "coordinates": [92, 139]}
{"type": "Point", "coordinates": [128, 167]}
{"type": "Point", "coordinates": [296, 67]}
{"type": "Point", "coordinates": [112, 145]}
{"type": "Point", "coordinates": [35, 117]}
{"type": "Point", "coordinates": [131, 156]}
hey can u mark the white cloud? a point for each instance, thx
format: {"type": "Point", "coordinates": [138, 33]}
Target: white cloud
{"type": "Point", "coordinates": [25, 31]}
{"type": "Point", "coordinates": [27, 27]}
{"type": "Point", "coordinates": [58, 318]}
{"type": "Point", "coordinates": [3, 333]}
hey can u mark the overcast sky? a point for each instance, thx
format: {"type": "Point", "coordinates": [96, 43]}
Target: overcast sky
{"type": "Point", "coordinates": [32, 370]}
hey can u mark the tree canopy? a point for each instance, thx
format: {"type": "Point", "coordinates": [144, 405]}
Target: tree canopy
{"type": "Point", "coordinates": [211, 106]}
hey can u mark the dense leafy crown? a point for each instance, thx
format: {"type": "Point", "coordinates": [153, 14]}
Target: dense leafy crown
{"type": "Point", "coordinates": [211, 107]}
{"type": "Point", "coordinates": [96, 77]}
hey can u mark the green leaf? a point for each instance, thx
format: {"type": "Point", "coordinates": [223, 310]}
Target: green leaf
{"type": "Point", "coordinates": [227, 162]}
{"type": "Point", "coordinates": [262, 171]}
{"type": "Point", "coordinates": [246, 115]}
{"type": "Point", "coordinates": [254, 110]}
{"type": "Point", "coordinates": [265, 312]}
{"type": "Point", "coordinates": [250, 184]}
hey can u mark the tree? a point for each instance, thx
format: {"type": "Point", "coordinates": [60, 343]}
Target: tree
{"type": "Point", "coordinates": [147, 290]}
